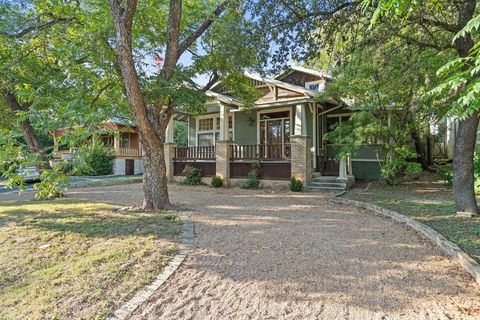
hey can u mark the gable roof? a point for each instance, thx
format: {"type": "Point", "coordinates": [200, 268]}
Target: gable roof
{"type": "Point", "coordinates": [224, 98]}
{"type": "Point", "coordinates": [281, 89]}
{"type": "Point", "coordinates": [309, 71]}
{"type": "Point", "coordinates": [282, 84]}
{"type": "Point", "coordinates": [121, 121]}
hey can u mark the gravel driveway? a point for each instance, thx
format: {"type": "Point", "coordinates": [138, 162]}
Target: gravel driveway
{"type": "Point", "coordinates": [263, 255]}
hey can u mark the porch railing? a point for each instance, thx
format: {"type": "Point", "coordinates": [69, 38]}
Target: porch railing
{"type": "Point", "coordinates": [127, 152]}
{"type": "Point", "coordinates": [261, 152]}
{"type": "Point", "coordinates": [195, 153]}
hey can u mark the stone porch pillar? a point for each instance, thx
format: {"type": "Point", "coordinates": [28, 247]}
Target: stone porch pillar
{"type": "Point", "coordinates": [301, 158]}
{"type": "Point", "coordinates": [223, 154]}
{"type": "Point", "coordinates": [223, 148]}
{"type": "Point", "coordinates": [301, 145]}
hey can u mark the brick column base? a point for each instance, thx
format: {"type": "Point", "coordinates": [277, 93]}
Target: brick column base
{"type": "Point", "coordinates": [222, 158]}
{"type": "Point", "coordinates": [301, 157]}
{"type": "Point", "coordinates": [169, 155]}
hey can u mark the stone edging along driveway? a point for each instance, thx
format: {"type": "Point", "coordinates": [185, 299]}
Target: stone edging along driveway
{"type": "Point", "coordinates": [447, 247]}
{"type": "Point", "coordinates": [144, 294]}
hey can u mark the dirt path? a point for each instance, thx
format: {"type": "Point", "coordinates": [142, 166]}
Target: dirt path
{"type": "Point", "coordinates": [260, 255]}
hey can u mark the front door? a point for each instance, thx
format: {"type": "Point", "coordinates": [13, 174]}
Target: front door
{"type": "Point", "coordinates": [275, 135]}
{"type": "Point", "coordinates": [327, 150]}
{"type": "Point", "coordinates": [129, 167]}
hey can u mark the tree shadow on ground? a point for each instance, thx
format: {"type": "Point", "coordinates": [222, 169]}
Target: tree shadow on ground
{"type": "Point", "coordinates": [297, 250]}
{"type": "Point", "coordinates": [306, 251]}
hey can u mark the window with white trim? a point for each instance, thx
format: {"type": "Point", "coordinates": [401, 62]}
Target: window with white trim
{"type": "Point", "coordinates": [333, 121]}
{"type": "Point", "coordinates": [209, 130]}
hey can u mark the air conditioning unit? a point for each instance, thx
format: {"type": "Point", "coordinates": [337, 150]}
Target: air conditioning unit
{"type": "Point", "coordinates": [318, 85]}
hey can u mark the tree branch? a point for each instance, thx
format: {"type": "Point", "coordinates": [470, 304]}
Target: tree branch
{"type": "Point", "coordinates": [108, 85]}
{"type": "Point", "coordinates": [423, 43]}
{"type": "Point", "coordinates": [292, 8]}
{"type": "Point", "coordinates": [213, 79]}
{"type": "Point", "coordinates": [36, 27]}
{"type": "Point", "coordinates": [173, 37]}
{"type": "Point", "coordinates": [122, 18]}
{"type": "Point", "coordinates": [301, 17]}
{"type": "Point", "coordinates": [446, 26]}
{"type": "Point", "coordinates": [129, 13]}
{"type": "Point", "coordinates": [188, 41]}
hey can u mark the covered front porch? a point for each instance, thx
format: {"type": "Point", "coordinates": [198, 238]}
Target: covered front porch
{"type": "Point", "coordinates": [283, 140]}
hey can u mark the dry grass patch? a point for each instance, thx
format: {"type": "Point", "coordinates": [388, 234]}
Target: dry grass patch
{"type": "Point", "coordinates": [73, 259]}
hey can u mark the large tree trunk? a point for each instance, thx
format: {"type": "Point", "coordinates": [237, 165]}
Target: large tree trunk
{"type": "Point", "coordinates": [463, 178]}
{"type": "Point", "coordinates": [421, 148]}
{"type": "Point", "coordinates": [155, 185]}
{"type": "Point", "coordinates": [152, 119]}
{"type": "Point", "coordinates": [29, 132]}
{"type": "Point", "coordinates": [463, 174]}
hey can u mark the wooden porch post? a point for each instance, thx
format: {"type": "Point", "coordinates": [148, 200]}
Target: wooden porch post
{"type": "Point", "coordinates": [300, 120]}
{"type": "Point", "coordinates": [169, 151]}
{"type": "Point", "coordinates": [169, 136]}
{"type": "Point", "coordinates": [116, 140]}
{"type": "Point", "coordinates": [223, 122]}
{"type": "Point", "coordinates": [342, 171]}
{"type": "Point", "coordinates": [223, 148]}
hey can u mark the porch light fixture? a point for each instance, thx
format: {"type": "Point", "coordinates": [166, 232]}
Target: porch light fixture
{"type": "Point", "coordinates": [250, 121]}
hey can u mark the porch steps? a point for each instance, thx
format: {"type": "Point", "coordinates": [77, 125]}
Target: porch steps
{"type": "Point", "coordinates": [327, 184]}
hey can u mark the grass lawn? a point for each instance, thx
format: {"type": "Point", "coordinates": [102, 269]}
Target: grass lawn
{"type": "Point", "coordinates": [428, 200]}
{"type": "Point", "coordinates": [96, 181]}
{"type": "Point", "coordinates": [71, 259]}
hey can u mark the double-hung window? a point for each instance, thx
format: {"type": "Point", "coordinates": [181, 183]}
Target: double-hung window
{"type": "Point", "coordinates": [208, 132]}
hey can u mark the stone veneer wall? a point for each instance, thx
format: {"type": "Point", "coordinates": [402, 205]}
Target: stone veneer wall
{"type": "Point", "coordinates": [301, 158]}
{"type": "Point", "coordinates": [222, 158]}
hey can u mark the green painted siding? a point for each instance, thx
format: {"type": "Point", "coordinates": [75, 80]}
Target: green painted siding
{"type": "Point", "coordinates": [369, 152]}
{"type": "Point", "coordinates": [365, 164]}
{"type": "Point", "coordinates": [245, 134]}
{"type": "Point", "coordinates": [367, 170]}
{"type": "Point", "coordinates": [363, 170]}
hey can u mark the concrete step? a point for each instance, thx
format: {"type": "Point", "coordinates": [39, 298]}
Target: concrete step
{"type": "Point", "coordinates": [325, 189]}
{"type": "Point", "coordinates": [316, 174]}
{"type": "Point", "coordinates": [328, 180]}
{"type": "Point", "coordinates": [328, 184]}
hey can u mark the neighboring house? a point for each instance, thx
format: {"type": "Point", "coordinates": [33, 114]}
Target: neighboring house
{"type": "Point", "coordinates": [443, 134]}
{"type": "Point", "coordinates": [283, 132]}
{"type": "Point", "coordinates": [122, 136]}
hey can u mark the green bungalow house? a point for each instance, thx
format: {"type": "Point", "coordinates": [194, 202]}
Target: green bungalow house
{"type": "Point", "coordinates": [283, 133]}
